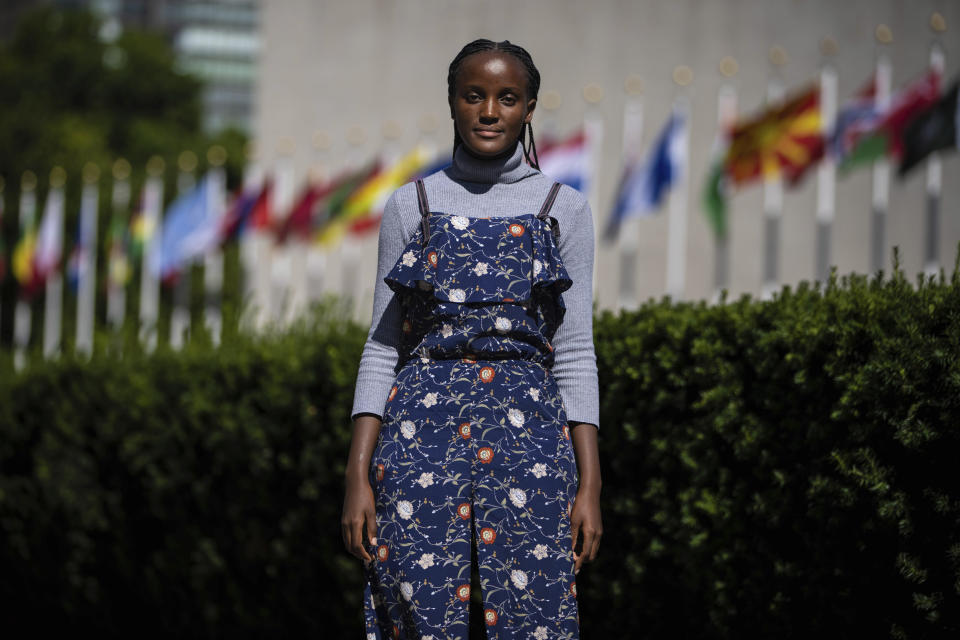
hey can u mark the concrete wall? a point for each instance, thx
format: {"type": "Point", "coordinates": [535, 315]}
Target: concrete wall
{"type": "Point", "coordinates": [329, 66]}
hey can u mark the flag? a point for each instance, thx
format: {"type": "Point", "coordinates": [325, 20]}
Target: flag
{"type": "Point", "coordinates": [300, 219]}
{"type": "Point", "coordinates": [715, 199]}
{"type": "Point", "coordinates": [439, 164]}
{"type": "Point", "coordinates": [784, 139]}
{"type": "Point", "coordinates": [885, 136]}
{"type": "Point", "coordinates": [566, 161]}
{"type": "Point", "coordinates": [329, 208]}
{"type": "Point", "coordinates": [644, 185]}
{"type": "Point", "coordinates": [935, 128]}
{"type": "Point", "coordinates": [190, 229]}
{"type": "Point", "coordinates": [49, 247]}
{"type": "Point", "coordinates": [855, 119]}
{"type": "Point", "coordinates": [23, 260]}
{"type": "Point", "coordinates": [242, 209]}
{"type": "Point", "coordinates": [141, 228]}
{"type": "Point", "coordinates": [368, 199]}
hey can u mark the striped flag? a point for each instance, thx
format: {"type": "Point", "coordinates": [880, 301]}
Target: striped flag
{"type": "Point", "coordinates": [567, 161]}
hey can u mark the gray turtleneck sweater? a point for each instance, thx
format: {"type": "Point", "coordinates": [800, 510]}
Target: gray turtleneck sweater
{"type": "Point", "coordinates": [480, 188]}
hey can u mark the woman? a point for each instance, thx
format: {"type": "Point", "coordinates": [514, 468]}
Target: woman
{"type": "Point", "coordinates": [476, 402]}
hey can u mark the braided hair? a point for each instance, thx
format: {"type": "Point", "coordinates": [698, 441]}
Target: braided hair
{"type": "Point", "coordinates": [533, 86]}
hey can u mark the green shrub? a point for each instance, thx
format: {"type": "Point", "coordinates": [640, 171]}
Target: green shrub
{"type": "Point", "coordinates": [771, 469]}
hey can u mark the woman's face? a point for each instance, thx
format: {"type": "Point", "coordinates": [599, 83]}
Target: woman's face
{"type": "Point", "coordinates": [490, 104]}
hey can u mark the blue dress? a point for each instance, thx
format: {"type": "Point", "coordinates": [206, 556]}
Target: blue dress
{"type": "Point", "coordinates": [475, 436]}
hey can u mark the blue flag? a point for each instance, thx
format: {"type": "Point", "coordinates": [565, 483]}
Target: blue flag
{"type": "Point", "coordinates": [190, 229]}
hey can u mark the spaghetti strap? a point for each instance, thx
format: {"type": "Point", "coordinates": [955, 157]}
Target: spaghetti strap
{"type": "Point", "coordinates": [545, 211]}
{"type": "Point", "coordinates": [424, 210]}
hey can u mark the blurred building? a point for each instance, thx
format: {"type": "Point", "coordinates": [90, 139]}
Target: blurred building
{"type": "Point", "coordinates": [345, 73]}
{"type": "Point", "coordinates": [216, 40]}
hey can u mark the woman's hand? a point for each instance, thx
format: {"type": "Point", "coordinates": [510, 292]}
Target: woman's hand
{"type": "Point", "coordinates": [359, 506]}
{"type": "Point", "coordinates": [585, 516]}
{"type": "Point", "coordinates": [358, 510]}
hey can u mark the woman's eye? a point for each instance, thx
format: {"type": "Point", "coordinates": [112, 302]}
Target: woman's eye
{"type": "Point", "coordinates": [509, 100]}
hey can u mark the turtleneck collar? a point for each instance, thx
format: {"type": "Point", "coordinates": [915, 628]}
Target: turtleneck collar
{"type": "Point", "coordinates": [505, 169]}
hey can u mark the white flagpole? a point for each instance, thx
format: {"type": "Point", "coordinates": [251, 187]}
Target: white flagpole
{"type": "Point", "coordinates": [308, 264]}
{"type": "Point", "coordinates": [213, 259]}
{"type": "Point", "coordinates": [827, 170]}
{"type": "Point", "coordinates": [881, 166]}
{"type": "Point", "coordinates": [934, 169]}
{"type": "Point", "coordinates": [772, 193]}
{"type": "Point", "coordinates": [23, 315]}
{"type": "Point", "coordinates": [677, 222]}
{"type": "Point", "coordinates": [53, 287]}
{"type": "Point", "coordinates": [281, 271]}
{"type": "Point", "coordinates": [629, 231]}
{"type": "Point", "coordinates": [87, 269]}
{"type": "Point", "coordinates": [726, 118]}
{"type": "Point", "coordinates": [252, 179]}
{"type": "Point", "coordinates": [593, 131]}
{"type": "Point", "coordinates": [118, 261]}
{"type": "Point", "coordinates": [180, 315]}
{"type": "Point", "coordinates": [149, 282]}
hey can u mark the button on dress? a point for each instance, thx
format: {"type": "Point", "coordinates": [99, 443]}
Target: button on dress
{"type": "Point", "coordinates": [474, 440]}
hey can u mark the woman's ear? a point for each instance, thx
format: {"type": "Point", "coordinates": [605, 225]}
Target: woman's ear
{"type": "Point", "coordinates": [531, 105]}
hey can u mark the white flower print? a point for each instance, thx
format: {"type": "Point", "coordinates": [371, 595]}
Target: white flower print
{"type": "Point", "coordinates": [426, 561]}
{"type": "Point", "coordinates": [539, 470]}
{"type": "Point", "coordinates": [430, 399]}
{"type": "Point", "coordinates": [503, 324]}
{"type": "Point", "coordinates": [518, 497]}
{"type": "Point", "coordinates": [516, 417]}
{"type": "Point", "coordinates": [407, 428]}
{"type": "Point", "coordinates": [457, 295]}
{"type": "Point", "coordinates": [406, 590]}
{"type": "Point", "coordinates": [371, 636]}
{"type": "Point", "coordinates": [446, 330]}
{"type": "Point", "coordinates": [460, 222]}
{"type": "Point", "coordinates": [430, 637]}
{"type": "Point", "coordinates": [405, 509]}
{"type": "Point", "coordinates": [480, 269]}
{"type": "Point", "coordinates": [534, 393]}
{"type": "Point", "coordinates": [540, 551]}
{"type": "Point", "coordinates": [540, 633]}
{"type": "Point", "coordinates": [409, 258]}
{"type": "Point", "coordinates": [426, 479]}
{"type": "Point", "coordinates": [518, 578]}
{"type": "Point", "coordinates": [537, 267]}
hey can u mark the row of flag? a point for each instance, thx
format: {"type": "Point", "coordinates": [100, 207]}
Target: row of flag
{"type": "Point", "coordinates": [785, 140]}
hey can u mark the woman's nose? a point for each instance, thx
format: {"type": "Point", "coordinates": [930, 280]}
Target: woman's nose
{"type": "Point", "coordinates": [489, 109]}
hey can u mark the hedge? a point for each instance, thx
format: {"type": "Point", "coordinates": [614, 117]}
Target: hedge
{"type": "Point", "coordinates": [780, 468]}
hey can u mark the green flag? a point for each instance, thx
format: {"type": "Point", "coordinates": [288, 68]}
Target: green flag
{"type": "Point", "coordinates": [715, 199]}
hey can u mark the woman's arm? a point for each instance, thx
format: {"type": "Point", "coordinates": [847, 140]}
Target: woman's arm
{"type": "Point", "coordinates": [358, 501]}
{"type": "Point", "coordinates": [585, 519]}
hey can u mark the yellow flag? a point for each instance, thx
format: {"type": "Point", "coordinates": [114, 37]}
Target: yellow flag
{"type": "Point", "coordinates": [23, 258]}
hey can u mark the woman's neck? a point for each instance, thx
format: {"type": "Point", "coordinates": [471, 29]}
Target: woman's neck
{"type": "Point", "coordinates": [467, 167]}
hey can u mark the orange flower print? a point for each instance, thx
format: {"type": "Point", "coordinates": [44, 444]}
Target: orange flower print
{"type": "Point", "coordinates": [396, 632]}
{"type": "Point", "coordinates": [566, 432]}
{"type": "Point", "coordinates": [379, 472]}
{"type": "Point", "coordinates": [463, 592]}
{"type": "Point", "coordinates": [432, 258]}
{"type": "Point", "coordinates": [393, 392]}
{"type": "Point", "coordinates": [490, 616]}
{"type": "Point", "coordinates": [464, 430]}
{"type": "Point", "coordinates": [382, 552]}
{"type": "Point", "coordinates": [407, 327]}
{"type": "Point", "coordinates": [488, 535]}
{"type": "Point", "coordinates": [486, 374]}
{"type": "Point", "coordinates": [485, 454]}
{"type": "Point", "coordinates": [573, 589]}
{"type": "Point", "coordinates": [508, 299]}
{"type": "Point", "coordinates": [463, 510]}
{"type": "Point", "coordinates": [469, 359]}
{"type": "Point", "coordinates": [516, 229]}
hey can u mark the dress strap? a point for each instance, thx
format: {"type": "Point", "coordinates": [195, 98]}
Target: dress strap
{"type": "Point", "coordinates": [545, 211]}
{"type": "Point", "coordinates": [424, 210]}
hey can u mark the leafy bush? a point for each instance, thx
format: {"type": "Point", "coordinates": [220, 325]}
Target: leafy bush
{"type": "Point", "coordinates": [782, 468]}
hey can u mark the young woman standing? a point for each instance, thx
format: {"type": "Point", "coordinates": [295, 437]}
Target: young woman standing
{"type": "Point", "coordinates": [476, 406]}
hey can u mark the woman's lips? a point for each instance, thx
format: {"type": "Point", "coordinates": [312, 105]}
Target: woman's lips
{"type": "Point", "coordinates": [487, 133]}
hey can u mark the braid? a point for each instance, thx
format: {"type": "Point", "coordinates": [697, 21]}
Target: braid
{"type": "Point", "coordinates": [533, 84]}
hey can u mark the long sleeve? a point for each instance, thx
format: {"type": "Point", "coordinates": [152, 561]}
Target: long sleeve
{"type": "Point", "coordinates": [380, 355]}
{"type": "Point", "coordinates": [575, 360]}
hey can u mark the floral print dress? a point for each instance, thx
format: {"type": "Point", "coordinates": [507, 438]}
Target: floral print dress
{"type": "Point", "coordinates": [474, 441]}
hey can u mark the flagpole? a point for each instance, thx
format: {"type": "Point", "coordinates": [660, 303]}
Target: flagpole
{"type": "Point", "coordinates": [628, 234]}
{"type": "Point", "coordinates": [283, 194]}
{"type": "Point", "coordinates": [87, 269]}
{"type": "Point", "coordinates": [677, 223]}
{"type": "Point", "coordinates": [881, 166]}
{"type": "Point", "coordinates": [23, 316]}
{"type": "Point", "coordinates": [53, 281]}
{"type": "Point", "coordinates": [180, 315]}
{"type": "Point", "coordinates": [548, 103]}
{"type": "Point", "coordinates": [827, 170]}
{"type": "Point", "coordinates": [772, 191]}
{"type": "Point", "coordinates": [253, 178]}
{"type": "Point", "coordinates": [726, 117]}
{"type": "Point", "coordinates": [213, 258]}
{"type": "Point", "coordinates": [118, 263]}
{"type": "Point", "coordinates": [934, 167]}
{"type": "Point", "coordinates": [149, 282]}
{"type": "Point", "coordinates": [309, 265]}
{"type": "Point", "coordinates": [593, 134]}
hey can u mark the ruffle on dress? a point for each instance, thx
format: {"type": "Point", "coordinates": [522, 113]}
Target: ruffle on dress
{"type": "Point", "coordinates": [482, 260]}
